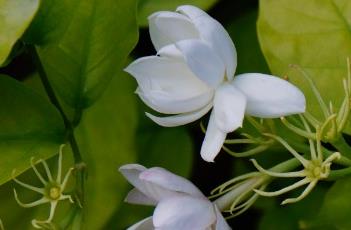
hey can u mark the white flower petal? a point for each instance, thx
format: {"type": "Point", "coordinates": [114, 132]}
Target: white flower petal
{"type": "Point", "coordinates": [167, 180]}
{"type": "Point", "coordinates": [156, 193]}
{"type": "Point", "coordinates": [184, 212]}
{"type": "Point", "coordinates": [137, 197]}
{"type": "Point", "coordinates": [202, 61]}
{"type": "Point", "coordinates": [221, 224]}
{"type": "Point", "coordinates": [171, 79]}
{"type": "Point", "coordinates": [217, 37]}
{"type": "Point", "coordinates": [170, 51]}
{"type": "Point", "coordinates": [229, 108]}
{"type": "Point", "coordinates": [131, 172]}
{"type": "Point", "coordinates": [180, 119]}
{"type": "Point", "coordinates": [268, 96]}
{"type": "Point", "coordinates": [145, 224]}
{"type": "Point", "coordinates": [169, 27]}
{"type": "Point", "coordinates": [165, 103]}
{"type": "Point", "coordinates": [213, 141]}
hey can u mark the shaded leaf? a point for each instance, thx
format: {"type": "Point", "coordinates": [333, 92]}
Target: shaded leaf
{"type": "Point", "coordinates": [29, 127]}
{"type": "Point", "coordinates": [106, 136]}
{"type": "Point", "coordinates": [312, 34]}
{"type": "Point", "coordinates": [83, 50]}
{"type": "Point", "coordinates": [336, 207]}
{"type": "Point", "coordinates": [15, 17]}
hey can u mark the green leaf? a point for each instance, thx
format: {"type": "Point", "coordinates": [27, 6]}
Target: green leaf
{"type": "Point", "coordinates": [293, 216]}
{"type": "Point", "coordinates": [316, 36]}
{"type": "Point", "coordinates": [337, 205]}
{"type": "Point", "coordinates": [29, 127]}
{"type": "Point", "coordinates": [15, 17]}
{"type": "Point", "coordinates": [170, 148]}
{"type": "Point", "coordinates": [82, 44]}
{"type": "Point", "coordinates": [106, 136]}
{"type": "Point", "coordinates": [148, 7]}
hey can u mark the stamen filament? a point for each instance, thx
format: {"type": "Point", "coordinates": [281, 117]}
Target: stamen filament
{"type": "Point", "coordinates": [284, 190]}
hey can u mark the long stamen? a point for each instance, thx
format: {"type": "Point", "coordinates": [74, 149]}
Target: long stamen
{"type": "Point", "coordinates": [311, 119]}
{"type": "Point", "coordinates": [284, 190]}
{"type": "Point", "coordinates": [315, 91]}
{"type": "Point", "coordinates": [277, 174]}
{"type": "Point", "coordinates": [41, 178]}
{"type": "Point", "coordinates": [303, 161]}
{"type": "Point", "coordinates": [234, 180]}
{"type": "Point", "coordinates": [32, 204]}
{"type": "Point", "coordinates": [65, 180]}
{"type": "Point", "coordinates": [307, 190]}
{"type": "Point", "coordinates": [247, 153]}
{"type": "Point", "coordinates": [30, 187]}
{"type": "Point", "coordinates": [59, 166]}
{"type": "Point", "coordinates": [296, 129]}
{"type": "Point", "coordinates": [36, 223]}
{"type": "Point", "coordinates": [47, 170]}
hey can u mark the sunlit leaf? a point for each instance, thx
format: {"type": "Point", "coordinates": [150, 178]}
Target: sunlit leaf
{"type": "Point", "coordinates": [15, 17]}
{"type": "Point", "coordinates": [147, 7]}
{"type": "Point", "coordinates": [107, 135]}
{"type": "Point", "coordinates": [29, 127]}
{"type": "Point", "coordinates": [82, 44]}
{"type": "Point", "coordinates": [312, 34]}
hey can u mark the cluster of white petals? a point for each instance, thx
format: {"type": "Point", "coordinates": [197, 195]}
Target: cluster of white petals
{"type": "Point", "coordinates": [179, 203]}
{"type": "Point", "coordinates": [193, 72]}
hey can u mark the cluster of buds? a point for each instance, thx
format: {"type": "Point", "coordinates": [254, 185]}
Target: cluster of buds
{"type": "Point", "coordinates": [334, 121]}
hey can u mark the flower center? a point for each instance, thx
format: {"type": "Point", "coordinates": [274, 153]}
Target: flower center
{"type": "Point", "coordinates": [54, 192]}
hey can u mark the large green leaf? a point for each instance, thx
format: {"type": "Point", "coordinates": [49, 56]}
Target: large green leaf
{"type": "Point", "coordinates": [147, 7]}
{"type": "Point", "coordinates": [29, 127]}
{"type": "Point", "coordinates": [314, 34]}
{"type": "Point", "coordinates": [106, 136]}
{"type": "Point", "coordinates": [337, 206]}
{"type": "Point", "coordinates": [82, 44]}
{"type": "Point", "coordinates": [15, 17]}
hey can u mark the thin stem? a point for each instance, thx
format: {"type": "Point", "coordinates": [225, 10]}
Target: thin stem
{"type": "Point", "coordinates": [337, 174]}
{"type": "Point", "coordinates": [54, 100]}
{"type": "Point", "coordinates": [342, 146]}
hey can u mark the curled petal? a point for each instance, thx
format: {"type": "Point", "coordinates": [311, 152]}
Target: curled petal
{"type": "Point", "coordinates": [184, 212]}
{"type": "Point", "coordinates": [137, 197]}
{"type": "Point", "coordinates": [145, 224]}
{"type": "Point", "coordinates": [229, 108]}
{"type": "Point", "coordinates": [131, 172]}
{"type": "Point", "coordinates": [203, 61]}
{"type": "Point", "coordinates": [165, 103]}
{"type": "Point", "coordinates": [269, 96]}
{"type": "Point", "coordinates": [215, 35]}
{"type": "Point", "coordinates": [180, 119]}
{"type": "Point", "coordinates": [163, 81]}
{"type": "Point", "coordinates": [170, 181]}
{"type": "Point", "coordinates": [213, 141]}
{"type": "Point", "coordinates": [169, 27]}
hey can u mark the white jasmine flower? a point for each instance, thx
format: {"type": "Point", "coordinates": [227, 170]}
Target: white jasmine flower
{"type": "Point", "coordinates": [193, 72]}
{"type": "Point", "coordinates": [179, 203]}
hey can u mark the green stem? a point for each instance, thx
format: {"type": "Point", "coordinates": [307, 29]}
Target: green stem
{"type": "Point", "coordinates": [79, 164]}
{"type": "Point", "coordinates": [337, 174]}
{"type": "Point", "coordinates": [341, 145]}
{"type": "Point", "coordinates": [226, 200]}
{"type": "Point", "coordinates": [54, 100]}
